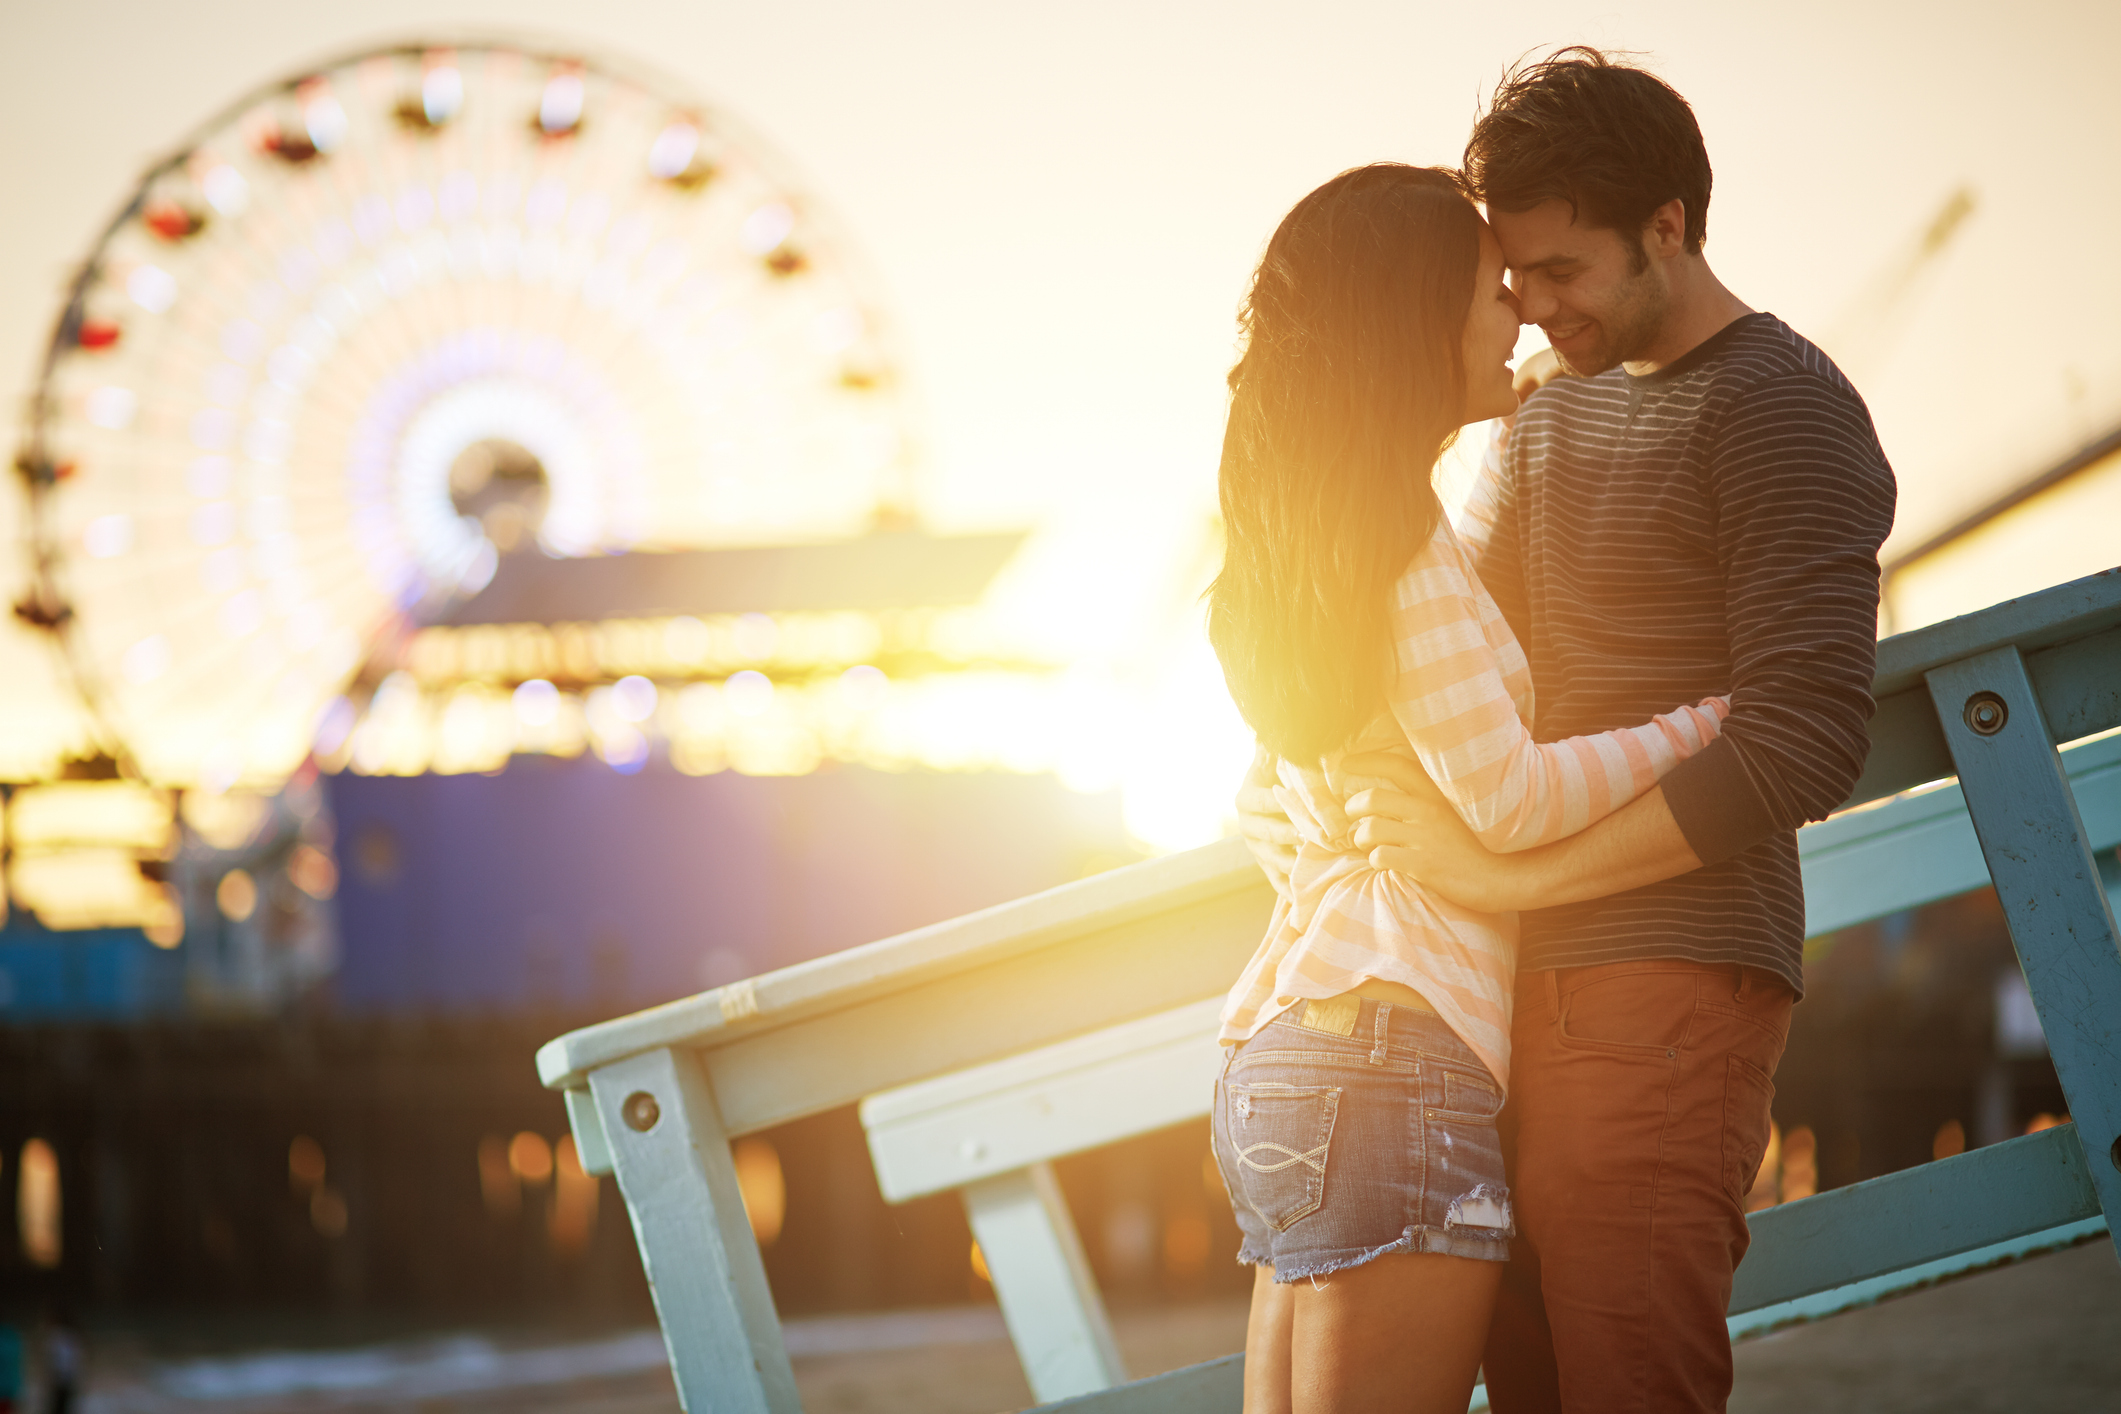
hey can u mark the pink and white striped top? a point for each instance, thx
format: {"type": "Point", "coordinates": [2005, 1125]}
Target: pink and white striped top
{"type": "Point", "coordinates": [1461, 705]}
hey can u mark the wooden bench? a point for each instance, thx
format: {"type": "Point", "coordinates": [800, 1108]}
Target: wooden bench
{"type": "Point", "coordinates": [983, 1048]}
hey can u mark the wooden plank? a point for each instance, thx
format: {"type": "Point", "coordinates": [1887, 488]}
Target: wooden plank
{"type": "Point", "coordinates": [1048, 1296]}
{"type": "Point", "coordinates": [1214, 1387]}
{"type": "Point", "coordinates": [1856, 1295]}
{"type": "Point", "coordinates": [2079, 685]}
{"type": "Point", "coordinates": [2028, 623]}
{"type": "Point", "coordinates": [704, 1269]}
{"type": "Point", "coordinates": [1938, 1210]}
{"type": "Point", "coordinates": [589, 1142]}
{"type": "Point", "coordinates": [2070, 636]}
{"type": "Point", "coordinates": [1028, 1109]}
{"type": "Point", "coordinates": [2049, 886]}
{"type": "Point", "coordinates": [1921, 848]}
{"type": "Point", "coordinates": [1094, 980]}
{"type": "Point", "coordinates": [1168, 889]}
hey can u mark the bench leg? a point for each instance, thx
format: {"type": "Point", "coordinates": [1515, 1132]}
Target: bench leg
{"type": "Point", "coordinates": [1049, 1299]}
{"type": "Point", "coordinates": [2061, 923]}
{"type": "Point", "coordinates": [672, 1156]}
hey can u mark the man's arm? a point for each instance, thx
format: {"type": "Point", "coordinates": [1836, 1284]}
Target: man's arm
{"type": "Point", "coordinates": [1415, 832]}
{"type": "Point", "coordinates": [1803, 497]}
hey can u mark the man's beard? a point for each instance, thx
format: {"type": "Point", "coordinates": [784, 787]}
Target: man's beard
{"type": "Point", "coordinates": [1629, 329]}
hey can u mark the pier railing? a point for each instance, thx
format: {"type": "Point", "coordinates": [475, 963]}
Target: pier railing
{"type": "Point", "coordinates": [983, 1048]}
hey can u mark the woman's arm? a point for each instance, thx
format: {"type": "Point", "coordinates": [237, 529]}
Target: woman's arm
{"type": "Point", "coordinates": [1451, 699]}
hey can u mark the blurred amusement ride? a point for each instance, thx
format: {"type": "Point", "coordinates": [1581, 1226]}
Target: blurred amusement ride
{"type": "Point", "coordinates": [446, 405]}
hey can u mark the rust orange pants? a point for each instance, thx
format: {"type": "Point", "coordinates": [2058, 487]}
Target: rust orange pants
{"type": "Point", "coordinates": [1637, 1117]}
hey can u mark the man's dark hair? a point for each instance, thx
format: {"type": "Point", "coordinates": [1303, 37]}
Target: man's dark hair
{"type": "Point", "coordinates": [1613, 141]}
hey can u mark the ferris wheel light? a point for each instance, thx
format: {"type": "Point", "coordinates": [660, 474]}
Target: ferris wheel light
{"type": "Point", "coordinates": [546, 203]}
{"type": "Point", "coordinates": [765, 229]}
{"type": "Point", "coordinates": [673, 150]}
{"type": "Point", "coordinates": [112, 407]}
{"type": "Point", "coordinates": [242, 341]}
{"type": "Point", "coordinates": [213, 523]}
{"type": "Point", "coordinates": [226, 190]}
{"type": "Point", "coordinates": [211, 429]}
{"type": "Point", "coordinates": [416, 207]}
{"type": "Point", "coordinates": [442, 93]}
{"type": "Point", "coordinates": [325, 121]}
{"type": "Point", "coordinates": [152, 288]}
{"type": "Point", "coordinates": [560, 109]}
{"type": "Point", "coordinates": [222, 572]}
{"type": "Point", "coordinates": [242, 614]}
{"type": "Point", "coordinates": [107, 537]}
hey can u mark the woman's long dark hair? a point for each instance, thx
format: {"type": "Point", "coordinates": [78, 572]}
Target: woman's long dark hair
{"type": "Point", "coordinates": [1351, 385]}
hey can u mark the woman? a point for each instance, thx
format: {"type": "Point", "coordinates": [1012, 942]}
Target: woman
{"type": "Point", "coordinates": [1369, 1035]}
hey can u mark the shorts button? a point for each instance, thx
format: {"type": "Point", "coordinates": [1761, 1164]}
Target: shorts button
{"type": "Point", "coordinates": [1671, 1054]}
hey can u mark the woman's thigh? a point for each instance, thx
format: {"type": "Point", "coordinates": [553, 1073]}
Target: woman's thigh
{"type": "Point", "coordinates": [1402, 1332]}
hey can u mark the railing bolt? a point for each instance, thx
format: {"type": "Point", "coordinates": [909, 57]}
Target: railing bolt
{"type": "Point", "coordinates": [1986, 713]}
{"type": "Point", "coordinates": [641, 1111]}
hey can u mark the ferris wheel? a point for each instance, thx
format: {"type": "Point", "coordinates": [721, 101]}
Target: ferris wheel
{"type": "Point", "coordinates": [380, 324]}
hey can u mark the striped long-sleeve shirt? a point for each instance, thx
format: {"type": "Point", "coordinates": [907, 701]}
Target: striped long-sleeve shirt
{"type": "Point", "coordinates": [1709, 528]}
{"type": "Point", "coordinates": [1460, 703]}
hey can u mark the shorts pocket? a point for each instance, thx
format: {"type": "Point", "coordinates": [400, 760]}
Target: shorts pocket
{"type": "Point", "coordinates": [1469, 1097]}
{"type": "Point", "coordinates": [1279, 1135]}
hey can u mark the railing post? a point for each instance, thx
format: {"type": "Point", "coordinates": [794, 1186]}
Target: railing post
{"type": "Point", "coordinates": [2060, 920]}
{"type": "Point", "coordinates": [1049, 1297]}
{"type": "Point", "coordinates": [672, 1156]}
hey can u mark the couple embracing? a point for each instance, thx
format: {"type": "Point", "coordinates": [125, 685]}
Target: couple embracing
{"type": "Point", "coordinates": [1497, 1080]}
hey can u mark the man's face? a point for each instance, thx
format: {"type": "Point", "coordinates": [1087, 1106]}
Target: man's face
{"type": "Point", "coordinates": [1581, 286]}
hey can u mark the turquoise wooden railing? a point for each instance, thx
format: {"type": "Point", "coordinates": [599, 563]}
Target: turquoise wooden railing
{"type": "Point", "coordinates": [983, 1048]}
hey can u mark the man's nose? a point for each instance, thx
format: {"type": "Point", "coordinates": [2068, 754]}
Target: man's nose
{"type": "Point", "coordinates": [1535, 303]}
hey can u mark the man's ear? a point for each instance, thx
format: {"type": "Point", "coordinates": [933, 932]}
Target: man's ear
{"type": "Point", "coordinates": [1664, 234]}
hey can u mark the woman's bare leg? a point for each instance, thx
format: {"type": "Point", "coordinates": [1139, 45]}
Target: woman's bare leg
{"type": "Point", "coordinates": [1267, 1345]}
{"type": "Point", "coordinates": [1401, 1332]}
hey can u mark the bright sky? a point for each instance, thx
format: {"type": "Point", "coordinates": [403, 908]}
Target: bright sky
{"type": "Point", "coordinates": [1062, 204]}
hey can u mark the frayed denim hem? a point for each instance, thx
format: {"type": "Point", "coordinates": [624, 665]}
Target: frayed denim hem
{"type": "Point", "coordinates": [1448, 1242]}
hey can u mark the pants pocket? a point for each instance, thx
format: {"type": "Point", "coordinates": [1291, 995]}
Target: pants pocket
{"type": "Point", "coordinates": [1748, 1096]}
{"type": "Point", "coordinates": [1279, 1137]}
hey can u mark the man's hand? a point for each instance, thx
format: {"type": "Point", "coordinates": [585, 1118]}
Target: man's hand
{"type": "Point", "coordinates": [1410, 828]}
{"type": "Point", "coordinates": [1264, 824]}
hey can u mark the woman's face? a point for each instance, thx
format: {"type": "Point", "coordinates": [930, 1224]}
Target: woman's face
{"type": "Point", "coordinates": [1490, 337]}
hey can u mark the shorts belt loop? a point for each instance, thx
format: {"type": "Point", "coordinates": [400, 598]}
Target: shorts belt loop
{"type": "Point", "coordinates": [1384, 1020]}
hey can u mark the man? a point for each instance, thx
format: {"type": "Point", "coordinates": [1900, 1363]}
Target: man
{"type": "Point", "coordinates": [1697, 511]}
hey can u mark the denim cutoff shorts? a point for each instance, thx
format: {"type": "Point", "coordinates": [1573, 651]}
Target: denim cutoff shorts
{"type": "Point", "coordinates": [1342, 1143]}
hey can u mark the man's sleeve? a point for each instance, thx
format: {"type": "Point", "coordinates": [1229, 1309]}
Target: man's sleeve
{"type": "Point", "coordinates": [1803, 499]}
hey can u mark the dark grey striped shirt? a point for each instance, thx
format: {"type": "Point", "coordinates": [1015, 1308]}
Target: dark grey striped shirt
{"type": "Point", "coordinates": [1710, 528]}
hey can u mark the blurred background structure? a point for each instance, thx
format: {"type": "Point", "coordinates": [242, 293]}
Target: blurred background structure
{"type": "Point", "coordinates": [506, 535]}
